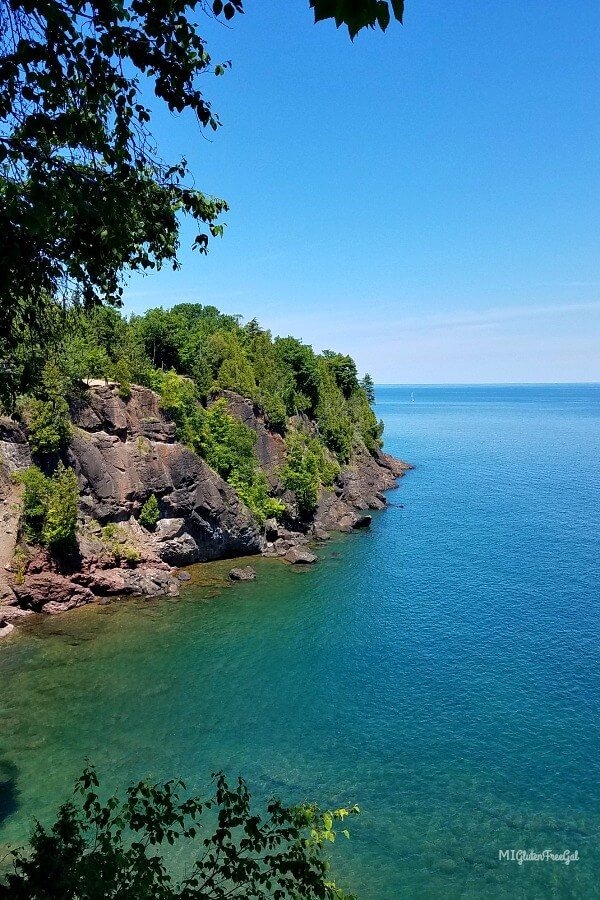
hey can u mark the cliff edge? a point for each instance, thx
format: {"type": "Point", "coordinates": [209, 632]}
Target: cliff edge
{"type": "Point", "coordinates": [125, 450]}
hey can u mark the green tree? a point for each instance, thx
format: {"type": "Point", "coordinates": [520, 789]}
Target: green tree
{"type": "Point", "coordinates": [300, 474]}
{"type": "Point", "coordinates": [150, 513]}
{"type": "Point", "coordinates": [114, 850]}
{"type": "Point", "coordinates": [343, 369]}
{"type": "Point", "coordinates": [122, 375]}
{"type": "Point", "coordinates": [50, 506]}
{"type": "Point", "coordinates": [47, 423]}
{"type": "Point", "coordinates": [83, 195]}
{"type": "Point", "coordinates": [301, 362]}
{"type": "Point", "coordinates": [60, 523]}
{"type": "Point", "coordinates": [36, 495]}
{"type": "Point", "coordinates": [368, 386]}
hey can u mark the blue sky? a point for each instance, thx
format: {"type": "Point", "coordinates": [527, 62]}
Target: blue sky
{"type": "Point", "coordinates": [427, 200]}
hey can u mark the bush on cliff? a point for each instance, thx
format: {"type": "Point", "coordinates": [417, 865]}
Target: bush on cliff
{"type": "Point", "coordinates": [116, 848]}
{"type": "Point", "coordinates": [60, 523]}
{"type": "Point", "coordinates": [150, 513]}
{"type": "Point", "coordinates": [47, 424]}
{"type": "Point", "coordinates": [50, 507]}
{"type": "Point", "coordinates": [36, 494]}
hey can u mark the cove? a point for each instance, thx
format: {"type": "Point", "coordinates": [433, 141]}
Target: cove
{"type": "Point", "coordinates": [439, 670]}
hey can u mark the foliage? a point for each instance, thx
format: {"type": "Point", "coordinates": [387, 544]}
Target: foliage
{"type": "Point", "coordinates": [254, 492]}
{"type": "Point", "coordinates": [115, 849]}
{"type": "Point", "coordinates": [50, 506]}
{"type": "Point", "coordinates": [228, 447]}
{"type": "Point", "coordinates": [368, 386]}
{"type": "Point", "coordinates": [150, 513]}
{"type": "Point", "coordinates": [343, 369]}
{"type": "Point", "coordinates": [190, 353]}
{"type": "Point", "coordinates": [369, 428]}
{"type": "Point", "coordinates": [114, 537]}
{"type": "Point", "coordinates": [122, 375]}
{"type": "Point", "coordinates": [179, 400]}
{"type": "Point", "coordinates": [83, 194]}
{"type": "Point", "coordinates": [335, 423]}
{"type": "Point", "coordinates": [36, 495]}
{"type": "Point", "coordinates": [358, 14]}
{"type": "Point", "coordinates": [48, 424]}
{"type": "Point", "coordinates": [306, 468]}
{"type": "Point", "coordinates": [60, 523]}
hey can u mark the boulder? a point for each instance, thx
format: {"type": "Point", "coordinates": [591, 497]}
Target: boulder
{"type": "Point", "coordinates": [12, 613]}
{"type": "Point", "coordinates": [242, 573]}
{"type": "Point", "coordinates": [300, 556]}
{"type": "Point", "coordinates": [363, 522]}
{"type": "Point", "coordinates": [49, 589]}
{"type": "Point", "coordinates": [184, 576]}
{"type": "Point", "coordinates": [5, 629]}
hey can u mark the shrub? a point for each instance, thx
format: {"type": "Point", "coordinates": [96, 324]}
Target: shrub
{"type": "Point", "coordinates": [301, 475]}
{"type": "Point", "coordinates": [150, 513]}
{"type": "Point", "coordinates": [254, 493]}
{"type": "Point", "coordinates": [36, 496]}
{"type": "Point", "coordinates": [110, 532]}
{"type": "Point", "coordinates": [131, 555]}
{"type": "Point", "coordinates": [50, 507]}
{"type": "Point", "coordinates": [60, 523]}
{"type": "Point", "coordinates": [307, 467]}
{"type": "Point", "coordinates": [275, 411]}
{"type": "Point", "coordinates": [48, 424]}
{"type": "Point", "coordinates": [122, 375]}
{"type": "Point", "coordinates": [124, 847]}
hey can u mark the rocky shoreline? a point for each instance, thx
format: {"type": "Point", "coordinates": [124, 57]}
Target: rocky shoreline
{"type": "Point", "coordinates": [125, 450]}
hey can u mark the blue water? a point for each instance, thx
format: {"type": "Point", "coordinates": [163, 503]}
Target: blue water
{"type": "Point", "coordinates": [442, 670]}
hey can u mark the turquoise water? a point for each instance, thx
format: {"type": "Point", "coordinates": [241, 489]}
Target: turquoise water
{"type": "Point", "coordinates": [442, 670]}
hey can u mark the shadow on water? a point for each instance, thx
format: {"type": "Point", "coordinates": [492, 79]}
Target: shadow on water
{"type": "Point", "coordinates": [9, 792]}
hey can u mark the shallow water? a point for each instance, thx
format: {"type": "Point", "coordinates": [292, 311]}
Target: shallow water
{"type": "Point", "coordinates": [441, 670]}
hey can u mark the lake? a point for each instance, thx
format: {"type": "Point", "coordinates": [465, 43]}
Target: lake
{"type": "Point", "coordinates": [441, 670]}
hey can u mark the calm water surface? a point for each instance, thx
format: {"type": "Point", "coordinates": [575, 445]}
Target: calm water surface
{"type": "Point", "coordinates": [442, 671]}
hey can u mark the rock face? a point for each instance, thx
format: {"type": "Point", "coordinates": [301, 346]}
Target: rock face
{"type": "Point", "coordinates": [359, 487]}
{"type": "Point", "coordinates": [14, 455]}
{"type": "Point", "coordinates": [124, 451]}
{"type": "Point", "coordinates": [270, 446]}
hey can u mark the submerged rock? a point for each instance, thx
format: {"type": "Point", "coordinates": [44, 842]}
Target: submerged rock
{"type": "Point", "coordinates": [242, 573]}
{"type": "Point", "coordinates": [300, 556]}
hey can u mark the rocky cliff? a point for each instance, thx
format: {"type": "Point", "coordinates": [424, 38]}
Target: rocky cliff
{"type": "Point", "coordinates": [122, 452]}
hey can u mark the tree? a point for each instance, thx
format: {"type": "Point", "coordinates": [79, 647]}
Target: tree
{"type": "Point", "coordinates": [113, 850]}
{"type": "Point", "coordinates": [358, 14]}
{"type": "Point", "coordinates": [60, 524]}
{"type": "Point", "coordinates": [150, 513]}
{"type": "Point", "coordinates": [50, 506]}
{"type": "Point", "coordinates": [368, 386]}
{"type": "Point", "coordinates": [84, 193]}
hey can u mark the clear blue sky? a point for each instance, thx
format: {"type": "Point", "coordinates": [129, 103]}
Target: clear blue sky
{"type": "Point", "coordinates": [427, 200]}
